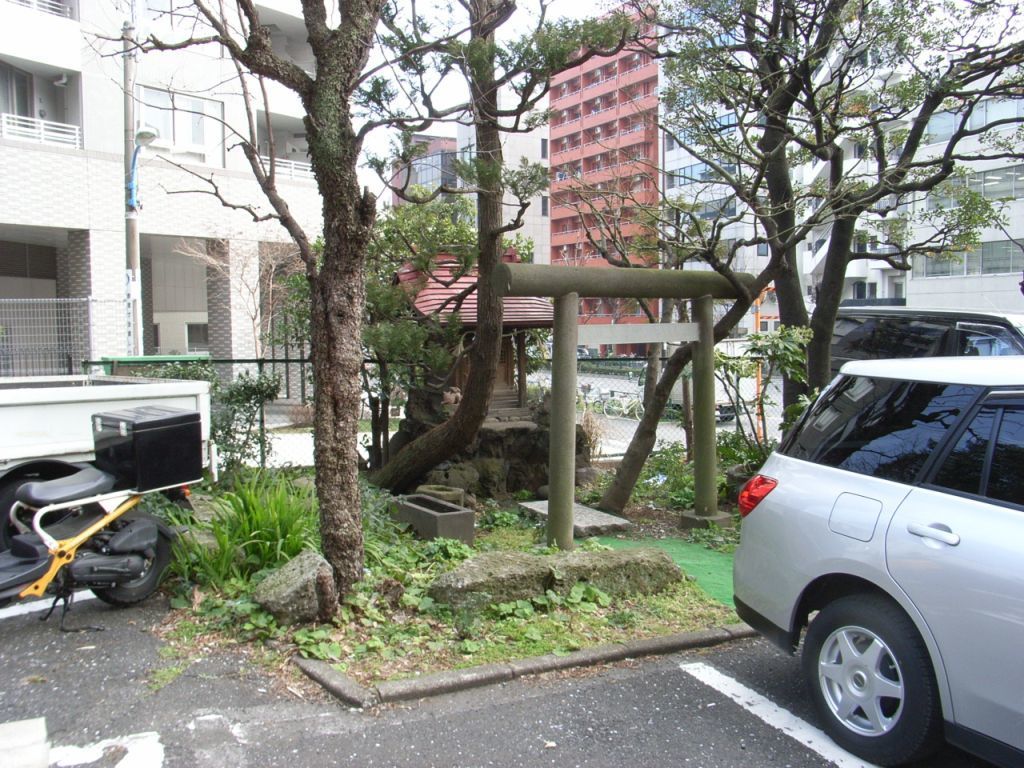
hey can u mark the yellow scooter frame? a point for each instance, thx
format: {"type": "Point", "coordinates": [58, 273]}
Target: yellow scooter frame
{"type": "Point", "coordinates": [64, 550]}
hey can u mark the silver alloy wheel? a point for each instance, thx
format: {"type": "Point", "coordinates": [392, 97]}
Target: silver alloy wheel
{"type": "Point", "coordinates": [861, 681]}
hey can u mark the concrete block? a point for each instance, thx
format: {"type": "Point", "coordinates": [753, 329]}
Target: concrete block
{"type": "Point", "coordinates": [434, 518]}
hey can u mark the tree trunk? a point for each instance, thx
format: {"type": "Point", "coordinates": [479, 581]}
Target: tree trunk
{"type": "Point", "coordinates": [830, 294]}
{"type": "Point", "coordinates": [337, 299]}
{"type": "Point", "coordinates": [446, 439]}
{"type": "Point", "coordinates": [642, 443]}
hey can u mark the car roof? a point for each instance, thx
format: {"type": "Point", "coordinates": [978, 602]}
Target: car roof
{"type": "Point", "coordinates": [957, 314]}
{"type": "Point", "coordinates": [981, 371]}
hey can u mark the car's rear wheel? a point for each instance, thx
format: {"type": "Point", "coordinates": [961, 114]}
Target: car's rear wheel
{"type": "Point", "coordinates": [872, 681]}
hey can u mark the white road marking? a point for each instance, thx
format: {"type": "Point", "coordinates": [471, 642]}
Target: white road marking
{"type": "Point", "coordinates": [34, 606]}
{"type": "Point", "coordinates": [775, 716]}
{"type": "Point", "coordinates": [141, 750]}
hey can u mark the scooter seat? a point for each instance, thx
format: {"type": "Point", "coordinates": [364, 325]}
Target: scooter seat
{"type": "Point", "coordinates": [88, 481]}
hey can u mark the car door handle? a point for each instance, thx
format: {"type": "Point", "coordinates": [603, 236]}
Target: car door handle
{"type": "Point", "coordinates": [933, 532]}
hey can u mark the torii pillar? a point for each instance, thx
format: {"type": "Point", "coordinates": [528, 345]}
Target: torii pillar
{"type": "Point", "coordinates": [566, 285]}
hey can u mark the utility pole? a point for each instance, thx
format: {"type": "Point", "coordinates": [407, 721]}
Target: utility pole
{"type": "Point", "coordinates": [131, 212]}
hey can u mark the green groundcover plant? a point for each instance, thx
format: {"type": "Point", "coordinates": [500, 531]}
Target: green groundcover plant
{"type": "Point", "coordinates": [389, 626]}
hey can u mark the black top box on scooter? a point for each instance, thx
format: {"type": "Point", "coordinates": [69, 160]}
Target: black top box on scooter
{"type": "Point", "coordinates": [152, 446]}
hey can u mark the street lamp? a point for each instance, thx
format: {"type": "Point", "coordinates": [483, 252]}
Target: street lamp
{"type": "Point", "coordinates": [143, 138]}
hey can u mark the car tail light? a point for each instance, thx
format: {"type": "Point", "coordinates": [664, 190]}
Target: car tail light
{"type": "Point", "coordinates": [754, 491]}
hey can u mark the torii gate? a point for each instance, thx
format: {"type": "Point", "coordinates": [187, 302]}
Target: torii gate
{"type": "Point", "coordinates": [566, 285]}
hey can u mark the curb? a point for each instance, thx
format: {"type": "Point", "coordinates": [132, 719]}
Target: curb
{"type": "Point", "coordinates": [354, 695]}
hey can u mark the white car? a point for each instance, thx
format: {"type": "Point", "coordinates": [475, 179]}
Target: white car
{"type": "Point", "coordinates": [891, 518]}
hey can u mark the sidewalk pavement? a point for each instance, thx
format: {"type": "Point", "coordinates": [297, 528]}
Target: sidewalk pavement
{"type": "Point", "coordinates": [351, 693]}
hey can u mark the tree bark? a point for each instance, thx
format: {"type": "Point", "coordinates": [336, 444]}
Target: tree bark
{"type": "Point", "coordinates": [830, 294]}
{"type": "Point", "coordinates": [337, 299]}
{"type": "Point", "coordinates": [446, 439]}
{"type": "Point", "coordinates": [617, 495]}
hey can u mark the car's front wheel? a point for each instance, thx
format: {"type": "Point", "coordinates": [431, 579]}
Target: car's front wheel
{"type": "Point", "coordinates": [871, 680]}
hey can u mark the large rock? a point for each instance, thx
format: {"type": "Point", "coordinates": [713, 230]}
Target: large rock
{"type": "Point", "coordinates": [299, 592]}
{"type": "Point", "coordinates": [497, 577]}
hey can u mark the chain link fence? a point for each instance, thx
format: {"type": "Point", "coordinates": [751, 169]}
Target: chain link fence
{"type": "Point", "coordinates": [610, 403]}
{"type": "Point", "coordinates": [46, 337]}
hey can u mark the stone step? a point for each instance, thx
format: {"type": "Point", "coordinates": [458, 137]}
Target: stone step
{"type": "Point", "coordinates": [587, 521]}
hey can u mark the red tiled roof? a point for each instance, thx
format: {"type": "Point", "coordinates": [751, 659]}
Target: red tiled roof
{"type": "Point", "coordinates": [519, 311]}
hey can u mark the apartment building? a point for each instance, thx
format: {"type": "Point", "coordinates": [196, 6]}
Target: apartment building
{"type": "Point", "coordinates": [63, 253]}
{"type": "Point", "coordinates": [604, 167]}
{"type": "Point", "coordinates": [529, 146]}
{"type": "Point", "coordinates": [430, 170]}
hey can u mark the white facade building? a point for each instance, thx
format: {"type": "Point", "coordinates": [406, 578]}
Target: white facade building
{"type": "Point", "coordinates": [62, 205]}
{"type": "Point", "coordinates": [533, 147]}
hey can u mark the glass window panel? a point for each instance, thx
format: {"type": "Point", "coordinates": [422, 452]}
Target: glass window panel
{"type": "Point", "coordinates": [940, 127]}
{"type": "Point", "coordinates": [1001, 109]}
{"type": "Point", "coordinates": [879, 427]}
{"type": "Point", "coordinates": [1006, 481]}
{"type": "Point", "coordinates": [939, 267]}
{"type": "Point", "coordinates": [998, 184]}
{"type": "Point", "coordinates": [995, 257]}
{"type": "Point", "coordinates": [963, 468]}
{"type": "Point", "coordinates": [1017, 179]}
{"type": "Point", "coordinates": [972, 263]}
{"type": "Point", "coordinates": [157, 113]}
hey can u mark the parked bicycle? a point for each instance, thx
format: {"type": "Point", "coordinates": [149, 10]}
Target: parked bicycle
{"type": "Point", "coordinates": [621, 405]}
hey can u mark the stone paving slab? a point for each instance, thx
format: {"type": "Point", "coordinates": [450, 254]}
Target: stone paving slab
{"type": "Point", "coordinates": [586, 521]}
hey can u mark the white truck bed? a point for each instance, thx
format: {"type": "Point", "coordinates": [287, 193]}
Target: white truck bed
{"type": "Point", "coordinates": [51, 416]}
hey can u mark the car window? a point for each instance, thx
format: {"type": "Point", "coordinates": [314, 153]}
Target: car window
{"type": "Point", "coordinates": [964, 468]}
{"type": "Point", "coordinates": [985, 340]}
{"type": "Point", "coordinates": [870, 338]}
{"type": "Point", "coordinates": [879, 427]}
{"type": "Point", "coordinates": [1005, 479]}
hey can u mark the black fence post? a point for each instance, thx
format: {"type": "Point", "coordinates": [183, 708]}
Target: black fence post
{"type": "Point", "coordinates": [263, 420]}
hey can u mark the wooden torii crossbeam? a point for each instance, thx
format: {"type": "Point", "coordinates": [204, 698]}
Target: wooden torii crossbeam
{"type": "Point", "coordinates": [566, 285]}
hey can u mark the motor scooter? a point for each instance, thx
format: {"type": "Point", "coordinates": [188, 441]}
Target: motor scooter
{"type": "Point", "coordinates": [84, 531]}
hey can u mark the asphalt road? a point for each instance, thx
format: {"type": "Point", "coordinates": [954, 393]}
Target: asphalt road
{"type": "Point", "coordinates": [220, 709]}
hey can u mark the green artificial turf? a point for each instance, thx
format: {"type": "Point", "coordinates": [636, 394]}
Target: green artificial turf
{"type": "Point", "coordinates": [712, 570]}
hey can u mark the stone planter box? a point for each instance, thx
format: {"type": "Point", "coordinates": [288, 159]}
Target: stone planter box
{"type": "Point", "coordinates": [433, 518]}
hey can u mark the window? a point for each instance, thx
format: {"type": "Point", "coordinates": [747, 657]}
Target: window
{"type": "Point", "coordinates": [1005, 481]}
{"type": "Point", "coordinates": [964, 469]}
{"type": "Point", "coordinates": [879, 427]}
{"type": "Point", "coordinates": [992, 258]}
{"type": "Point", "coordinates": [762, 250]}
{"type": "Point", "coordinates": [544, 205]}
{"type": "Point", "coordinates": [15, 92]}
{"type": "Point", "coordinates": [544, 148]}
{"type": "Point", "coordinates": [198, 335]}
{"type": "Point", "coordinates": [941, 126]}
{"type": "Point", "coordinates": [867, 338]}
{"type": "Point", "coordinates": [187, 125]}
{"type": "Point", "coordinates": [985, 340]}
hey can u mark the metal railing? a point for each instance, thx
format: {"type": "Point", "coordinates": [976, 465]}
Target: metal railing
{"type": "Point", "coordinates": [40, 131]}
{"type": "Point", "coordinates": [293, 169]}
{"type": "Point", "coordinates": [52, 7]}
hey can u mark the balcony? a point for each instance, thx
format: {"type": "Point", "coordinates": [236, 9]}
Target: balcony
{"type": "Point", "coordinates": [36, 131]}
{"type": "Point", "coordinates": [289, 169]}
